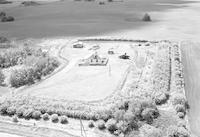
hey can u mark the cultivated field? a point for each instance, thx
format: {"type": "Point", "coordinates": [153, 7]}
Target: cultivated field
{"type": "Point", "coordinates": [71, 18]}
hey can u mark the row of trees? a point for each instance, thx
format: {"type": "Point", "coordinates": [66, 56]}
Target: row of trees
{"type": "Point", "coordinates": [178, 97]}
{"type": "Point", "coordinates": [128, 116]}
{"type": "Point", "coordinates": [161, 76]}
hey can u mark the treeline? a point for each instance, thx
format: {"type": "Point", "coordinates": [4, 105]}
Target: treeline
{"type": "Point", "coordinates": [33, 65]}
{"type": "Point", "coordinates": [5, 18]}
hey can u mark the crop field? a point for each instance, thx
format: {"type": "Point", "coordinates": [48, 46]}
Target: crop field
{"type": "Point", "coordinates": [74, 18]}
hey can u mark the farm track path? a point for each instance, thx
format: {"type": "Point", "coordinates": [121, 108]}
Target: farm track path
{"type": "Point", "coordinates": [191, 63]}
{"type": "Point", "coordinates": [31, 131]}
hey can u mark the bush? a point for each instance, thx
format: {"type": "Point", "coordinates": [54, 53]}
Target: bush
{"type": "Point", "coordinates": [111, 125]}
{"type": "Point", "coordinates": [45, 66]}
{"type": "Point", "coordinates": [91, 124]}
{"type": "Point", "coordinates": [21, 77]}
{"type": "Point", "coordinates": [181, 115]}
{"type": "Point", "coordinates": [161, 98]}
{"type": "Point", "coordinates": [15, 119]}
{"type": "Point", "coordinates": [45, 116]}
{"type": "Point", "coordinates": [2, 77]}
{"type": "Point", "coordinates": [179, 99]}
{"type": "Point", "coordinates": [146, 17]}
{"type": "Point", "coordinates": [132, 120]}
{"type": "Point", "coordinates": [11, 111]}
{"type": "Point", "coordinates": [2, 14]}
{"type": "Point", "coordinates": [20, 111]}
{"type": "Point", "coordinates": [101, 125]}
{"type": "Point", "coordinates": [150, 131]}
{"type": "Point", "coordinates": [54, 118]}
{"type": "Point", "coordinates": [36, 114]}
{"type": "Point", "coordinates": [28, 113]}
{"type": "Point", "coordinates": [174, 131]}
{"type": "Point", "coordinates": [3, 109]}
{"type": "Point", "coordinates": [3, 39]}
{"type": "Point", "coordinates": [63, 119]}
{"type": "Point", "coordinates": [180, 108]}
{"type": "Point", "coordinates": [7, 19]}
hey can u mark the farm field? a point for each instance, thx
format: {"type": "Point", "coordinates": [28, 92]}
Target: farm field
{"type": "Point", "coordinates": [190, 51]}
{"type": "Point", "coordinates": [69, 18]}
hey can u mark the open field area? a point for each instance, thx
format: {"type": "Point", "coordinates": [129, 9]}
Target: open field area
{"type": "Point", "coordinates": [191, 64]}
{"type": "Point", "coordinates": [88, 82]}
{"type": "Point", "coordinates": [69, 18]}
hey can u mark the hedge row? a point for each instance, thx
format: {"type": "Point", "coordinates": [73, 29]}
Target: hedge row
{"type": "Point", "coordinates": [70, 109]}
{"type": "Point", "coordinates": [178, 99]}
{"type": "Point", "coordinates": [161, 75]}
{"type": "Point", "coordinates": [37, 115]}
{"type": "Point", "coordinates": [2, 77]}
{"type": "Point", "coordinates": [127, 117]}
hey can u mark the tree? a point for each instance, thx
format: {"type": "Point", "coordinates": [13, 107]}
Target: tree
{"type": "Point", "coordinates": [2, 77]}
{"type": "Point", "coordinates": [146, 17]}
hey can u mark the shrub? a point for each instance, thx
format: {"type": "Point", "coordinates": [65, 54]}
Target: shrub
{"type": "Point", "coordinates": [179, 99]}
{"type": "Point", "coordinates": [91, 124]}
{"type": "Point", "coordinates": [2, 77]}
{"type": "Point", "coordinates": [2, 14]}
{"type": "Point", "coordinates": [45, 116]}
{"type": "Point", "coordinates": [11, 111]}
{"type": "Point", "coordinates": [3, 39]}
{"type": "Point", "coordinates": [101, 125]}
{"type": "Point", "coordinates": [36, 114]}
{"type": "Point", "coordinates": [123, 127]}
{"type": "Point", "coordinates": [15, 119]}
{"type": "Point", "coordinates": [119, 115]}
{"type": "Point", "coordinates": [3, 109]}
{"type": "Point", "coordinates": [111, 125]}
{"type": "Point", "coordinates": [63, 119]}
{"type": "Point", "coordinates": [27, 114]}
{"type": "Point", "coordinates": [161, 98]}
{"type": "Point", "coordinates": [146, 17]}
{"type": "Point", "coordinates": [21, 77]}
{"type": "Point", "coordinates": [174, 131]}
{"type": "Point", "coordinates": [20, 111]}
{"type": "Point", "coordinates": [132, 120]}
{"type": "Point", "coordinates": [150, 131]}
{"type": "Point", "coordinates": [180, 108]}
{"type": "Point", "coordinates": [181, 115]}
{"type": "Point", "coordinates": [54, 118]}
{"type": "Point", "coordinates": [7, 19]}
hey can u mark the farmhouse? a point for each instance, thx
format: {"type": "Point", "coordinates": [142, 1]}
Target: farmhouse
{"type": "Point", "coordinates": [94, 60]}
{"type": "Point", "coordinates": [78, 45]}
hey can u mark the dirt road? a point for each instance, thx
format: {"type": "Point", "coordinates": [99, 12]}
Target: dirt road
{"type": "Point", "coordinates": [191, 62]}
{"type": "Point", "coordinates": [30, 131]}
